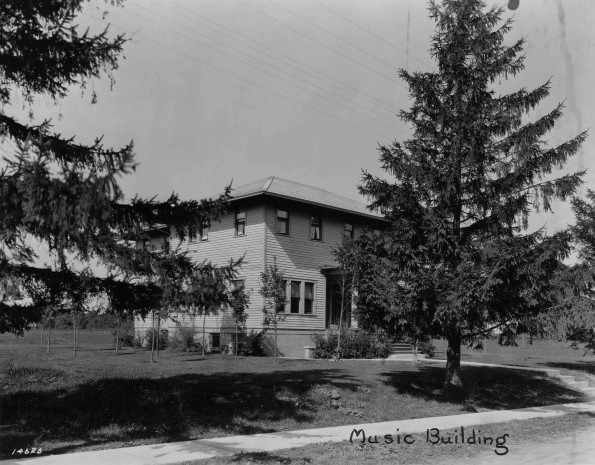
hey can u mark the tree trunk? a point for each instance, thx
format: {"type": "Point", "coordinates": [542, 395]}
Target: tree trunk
{"type": "Point", "coordinates": [340, 320]}
{"type": "Point", "coordinates": [49, 337]}
{"type": "Point", "coordinates": [204, 320]}
{"type": "Point", "coordinates": [236, 340]}
{"type": "Point", "coordinates": [153, 336]}
{"type": "Point", "coordinates": [74, 330]}
{"type": "Point", "coordinates": [158, 333]}
{"type": "Point", "coordinates": [41, 340]}
{"type": "Point", "coordinates": [453, 382]}
{"type": "Point", "coordinates": [275, 344]}
{"type": "Point", "coordinates": [117, 336]}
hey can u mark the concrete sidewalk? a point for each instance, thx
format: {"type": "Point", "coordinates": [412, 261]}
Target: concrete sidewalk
{"type": "Point", "coordinates": [208, 448]}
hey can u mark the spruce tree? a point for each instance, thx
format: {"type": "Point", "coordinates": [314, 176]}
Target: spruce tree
{"type": "Point", "coordinates": [65, 196]}
{"type": "Point", "coordinates": [457, 260]}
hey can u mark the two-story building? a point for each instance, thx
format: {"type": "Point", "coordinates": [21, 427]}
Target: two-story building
{"type": "Point", "coordinates": [297, 226]}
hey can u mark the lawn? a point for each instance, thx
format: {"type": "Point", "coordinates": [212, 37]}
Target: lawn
{"type": "Point", "coordinates": [523, 437]}
{"type": "Point", "coordinates": [100, 400]}
{"type": "Point", "coordinates": [540, 354]}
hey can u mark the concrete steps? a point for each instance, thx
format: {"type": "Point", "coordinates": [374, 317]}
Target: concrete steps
{"type": "Point", "coordinates": [402, 351]}
{"type": "Point", "coordinates": [401, 348]}
{"type": "Point", "coordinates": [572, 383]}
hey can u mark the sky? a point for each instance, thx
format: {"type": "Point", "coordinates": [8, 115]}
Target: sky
{"type": "Point", "coordinates": [218, 90]}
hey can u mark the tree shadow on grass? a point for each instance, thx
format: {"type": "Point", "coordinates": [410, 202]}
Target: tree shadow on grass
{"type": "Point", "coordinates": [486, 388]}
{"type": "Point", "coordinates": [177, 408]}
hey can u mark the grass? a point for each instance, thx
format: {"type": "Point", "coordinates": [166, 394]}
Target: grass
{"type": "Point", "coordinates": [100, 400]}
{"type": "Point", "coordinates": [523, 436]}
{"type": "Point", "coordinates": [538, 354]}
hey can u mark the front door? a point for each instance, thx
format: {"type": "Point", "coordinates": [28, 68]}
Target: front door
{"type": "Point", "coordinates": [336, 300]}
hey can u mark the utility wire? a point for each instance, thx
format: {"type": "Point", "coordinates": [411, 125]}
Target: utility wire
{"type": "Point", "coordinates": [372, 34]}
{"type": "Point", "coordinates": [321, 44]}
{"type": "Point", "coordinates": [247, 63]}
{"type": "Point", "coordinates": [248, 81]}
{"type": "Point", "coordinates": [320, 28]}
{"type": "Point", "coordinates": [304, 68]}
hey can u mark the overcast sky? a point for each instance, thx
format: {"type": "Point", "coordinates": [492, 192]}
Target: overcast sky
{"type": "Point", "coordinates": [215, 90]}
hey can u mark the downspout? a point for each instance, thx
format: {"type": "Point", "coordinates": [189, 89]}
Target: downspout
{"type": "Point", "coordinates": [264, 257]}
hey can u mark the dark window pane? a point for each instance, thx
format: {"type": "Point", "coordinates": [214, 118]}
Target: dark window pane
{"type": "Point", "coordinates": [281, 308]}
{"type": "Point", "coordinates": [282, 222]}
{"type": "Point", "coordinates": [348, 231]}
{"type": "Point", "coordinates": [315, 228]}
{"type": "Point", "coordinates": [309, 298]}
{"type": "Point", "coordinates": [240, 223]}
{"type": "Point", "coordinates": [295, 297]}
{"type": "Point", "coordinates": [204, 235]}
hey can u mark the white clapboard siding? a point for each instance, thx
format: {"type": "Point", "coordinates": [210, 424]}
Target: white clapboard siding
{"type": "Point", "coordinates": [301, 258]}
{"type": "Point", "coordinates": [223, 245]}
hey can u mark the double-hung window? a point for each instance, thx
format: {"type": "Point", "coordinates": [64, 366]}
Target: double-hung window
{"type": "Point", "coordinates": [240, 223]}
{"type": "Point", "coordinates": [281, 307]}
{"type": "Point", "coordinates": [308, 298]}
{"type": "Point", "coordinates": [282, 222]}
{"type": "Point", "coordinates": [301, 298]}
{"type": "Point", "coordinates": [315, 228]}
{"type": "Point", "coordinates": [204, 234]}
{"type": "Point", "coordinates": [348, 231]}
{"type": "Point", "coordinates": [294, 304]}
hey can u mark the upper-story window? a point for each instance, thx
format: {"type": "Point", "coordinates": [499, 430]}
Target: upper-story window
{"type": "Point", "coordinates": [204, 234]}
{"type": "Point", "coordinates": [316, 228]}
{"type": "Point", "coordinates": [283, 222]}
{"type": "Point", "coordinates": [240, 223]}
{"type": "Point", "coordinates": [348, 231]}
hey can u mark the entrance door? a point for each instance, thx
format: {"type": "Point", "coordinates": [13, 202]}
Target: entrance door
{"type": "Point", "coordinates": [335, 300]}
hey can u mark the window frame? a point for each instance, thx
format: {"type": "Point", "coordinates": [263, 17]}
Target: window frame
{"type": "Point", "coordinates": [317, 224]}
{"type": "Point", "coordinates": [283, 307]}
{"type": "Point", "coordinates": [243, 221]}
{"type": "Point", "coordinates": [312, 300]}
{"type": "Point", "coordinates": [203, 236]}
{"type": "Point", "coordinates": [350, 232]}
{"type": "Point", "coordinates": [301, 299]}
{"type": "Point", "coordinates": [282, 220]}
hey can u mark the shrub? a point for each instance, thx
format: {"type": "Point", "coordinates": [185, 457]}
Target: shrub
{"type": "Point", "coordinates": [426, 347]}
{"type": "Point", "coordinates": [162, 340]}
{"type": "Point", "coordinates": [126, 337]}
{"type": "Point", "coordinates": [353, 345]}
{"type": "Point", "coordinates": [184, 340]}
{"type": "Point", "coordinates": [138, 341]}
{"type": "Point", "coordinates": [250, 344]}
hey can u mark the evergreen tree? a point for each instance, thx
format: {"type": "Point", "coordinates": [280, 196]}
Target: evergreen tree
{"type": "Point", "coordinates": [456, 261]}
{"type": "Point", "coordinates": [65, 196]}
{"type": "Point", "coordinates": [574, 318]}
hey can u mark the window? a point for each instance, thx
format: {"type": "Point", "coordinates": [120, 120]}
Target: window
{"type": "Point", "coordinates": [308, 298]}
{"type": "Point", "coordinates": [301, 298]}
{"type": "Point", "coordinates": [237, 284]}
{"type": "Point", "coordinates": [281, 308]}
{"type": "Point", "coordinates": [282, 222]}
{"type": "Point", "coordinates": [204, 234]}
{"type": "Point", "coordinates": [240, 223]}
{"type": "Point", "coordinates": [316, 228]}
{"type": "Point", "coordinates": [215, 342]}
{"type": "Point", "coordinates": [294, 305]}
{"type": "Point", "coordinates": [348, 231]}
